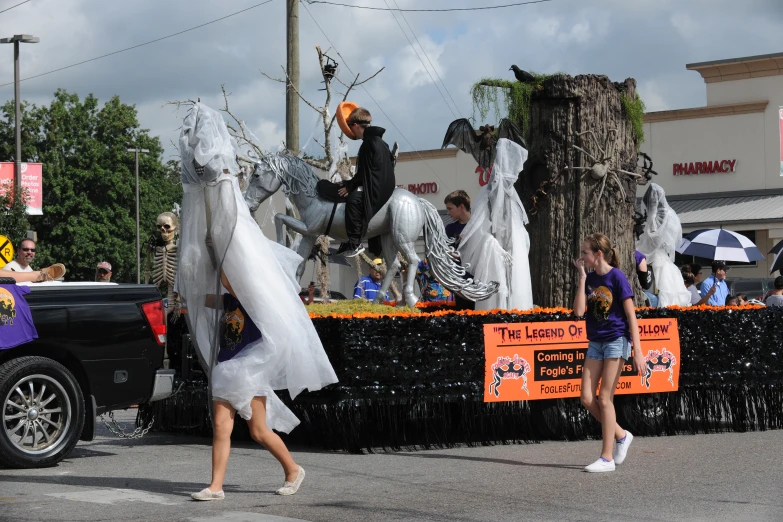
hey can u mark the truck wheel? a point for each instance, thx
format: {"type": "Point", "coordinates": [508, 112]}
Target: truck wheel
{"type": "Point", "coordinates": [42, 412]}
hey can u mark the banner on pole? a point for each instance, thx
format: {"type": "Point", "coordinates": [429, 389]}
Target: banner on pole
{"type": "Point", "coordinates": [530, 361]}
{"type": "Point", "coordinates": [32, 181]}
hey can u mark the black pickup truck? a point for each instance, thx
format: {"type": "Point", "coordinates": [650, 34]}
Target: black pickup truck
{"type": "Point", "coordinates": [100, 347]}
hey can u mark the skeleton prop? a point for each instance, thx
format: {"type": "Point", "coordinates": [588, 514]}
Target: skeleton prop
{"type": "Point", "coordinates": [164, 260]}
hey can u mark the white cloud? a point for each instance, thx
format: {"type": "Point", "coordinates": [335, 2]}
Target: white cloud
{"type": "Point", "coordinates": [652, 95]}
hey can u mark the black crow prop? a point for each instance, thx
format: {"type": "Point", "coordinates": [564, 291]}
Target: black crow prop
{"type": "Point", "coordinates": [481, 143]}
{"type": "Point", "coordinates": [522, 76]}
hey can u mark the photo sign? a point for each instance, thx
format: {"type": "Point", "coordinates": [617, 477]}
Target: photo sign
{"type": "Point", "coordinates": [530, 361]}
{"type": "Point", "coordinates": [32, 182]}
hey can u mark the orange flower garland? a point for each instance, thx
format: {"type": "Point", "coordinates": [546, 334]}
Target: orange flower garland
{"type": "Point", "coordinates": [532, 311]}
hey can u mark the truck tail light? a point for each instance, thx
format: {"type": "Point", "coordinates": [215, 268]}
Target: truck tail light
{"type": "Point", "coordinates": [157, 318]}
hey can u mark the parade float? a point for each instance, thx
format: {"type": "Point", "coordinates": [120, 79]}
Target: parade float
{"type": "Point", "coordinates": [422, 378]}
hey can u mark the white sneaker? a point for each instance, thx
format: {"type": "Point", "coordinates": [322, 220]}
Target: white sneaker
{"type": "Point", "coordinates": [353, 253]}
{"type": "Point", "coordinates": [289, 488]}
{"type": "Point", "coordinates": [621, 448]}
{"type": "Point", "coordinates": [206, 494]}
{"type": "Point", "coordinates": [600, 466]}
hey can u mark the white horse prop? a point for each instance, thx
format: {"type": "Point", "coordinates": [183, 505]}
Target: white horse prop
{"type": "Point", "coordinates": [399, 223]}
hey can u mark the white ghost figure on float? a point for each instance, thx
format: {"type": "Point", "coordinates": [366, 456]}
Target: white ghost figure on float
{"type": "Point", "coordinates": [494, 245]}
{"type": "Point", "coordinates": [289, 354]}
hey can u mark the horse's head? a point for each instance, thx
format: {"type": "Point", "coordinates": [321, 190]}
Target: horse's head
{"type": "Point", "coordinates": [263, 183]}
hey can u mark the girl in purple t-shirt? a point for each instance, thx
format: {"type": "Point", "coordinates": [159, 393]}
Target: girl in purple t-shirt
{"type": "Point", "coordinates": [604, 297]}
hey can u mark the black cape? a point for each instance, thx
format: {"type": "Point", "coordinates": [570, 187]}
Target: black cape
{"type": "Point", "coordinates": [374, 172]}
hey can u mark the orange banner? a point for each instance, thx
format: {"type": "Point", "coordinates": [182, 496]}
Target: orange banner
{"type": "Point", "coordinates": [530, 361]}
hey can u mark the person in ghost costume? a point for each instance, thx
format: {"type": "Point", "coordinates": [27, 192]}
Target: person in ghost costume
{"type": "Point", "coordinates": [662, 233]}
{"type": "Point", "coordinates": [252, 332]}
{"type": "Point", "coordinates": [494, 245]}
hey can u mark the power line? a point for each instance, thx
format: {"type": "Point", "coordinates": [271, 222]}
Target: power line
{"type": "Point", "coordinates": [428, 58]}
{"type": "Point", "coordinates": [17, 5]}
{"type": "Point", "coordinates": [371, 96]}
{"type": "Point", "coordinates": [139, 45]}
{"type": "Point", "coordinates": [430, 10]}
{"type": "Point", "coordinates": [422, 61]}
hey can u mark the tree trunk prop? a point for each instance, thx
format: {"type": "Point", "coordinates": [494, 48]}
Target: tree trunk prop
{"type": "Point", "coordinates": [563, 204]}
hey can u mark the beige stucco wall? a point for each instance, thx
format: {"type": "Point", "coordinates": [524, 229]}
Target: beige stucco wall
{"type": "Point", "coordinates": [766, 88]}
{"type": "Point", "coordinates": [739, 137]}
{"type": "Point", "coordinates": [451, 169]}
{"type": "Point", "coordinates": [753, 139]}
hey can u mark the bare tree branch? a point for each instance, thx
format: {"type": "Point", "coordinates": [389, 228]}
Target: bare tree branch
{"type": "Point", "coordinates": [319, 110]}
{"type": "Point", "coordinates": [317, 164]}
{"type": "Point", "coordinates": [240, 135]}
{"type": "Point", "coordinates": [368, 79]}
{"type": "Point", "coordinates": [273, 79]}
{"type": "Point", "coordinates": [349, 87]}
{"type": "Point", "coordinates": [178, 103]}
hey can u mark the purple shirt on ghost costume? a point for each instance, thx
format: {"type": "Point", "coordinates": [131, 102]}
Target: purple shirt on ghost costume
{"type": "Point", "coordinates": [16, 323]}
{"type": "Point", "coordinates": [605, 318]}
{"type": "Point", "coordinates": [240, 330]}
{"type": "Point", "coordinates": [639, 257]}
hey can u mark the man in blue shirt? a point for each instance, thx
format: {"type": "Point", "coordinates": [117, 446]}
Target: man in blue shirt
{"type": "Point", "coordinates": [367, 287]}
{"type": "Point", "coordinates": [715, 286]}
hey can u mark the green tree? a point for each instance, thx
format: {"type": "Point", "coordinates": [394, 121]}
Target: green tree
{"type": "Point", "coordinates": [13, 217]}
{"type": "Point", "coordinates": [89, 195]}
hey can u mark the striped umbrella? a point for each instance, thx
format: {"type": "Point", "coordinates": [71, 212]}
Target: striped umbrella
{"type": "Point", "coordinates": [777, 264]}
{"type": "Point", "coordinates": [719, 244]}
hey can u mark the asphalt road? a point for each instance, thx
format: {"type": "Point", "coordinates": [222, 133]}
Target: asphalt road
{"type": "Point", "coordinates": [729, 476]}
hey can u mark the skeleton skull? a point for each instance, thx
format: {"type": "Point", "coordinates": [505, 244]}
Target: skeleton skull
{"type": "Point", "coordinates": [167, 226]}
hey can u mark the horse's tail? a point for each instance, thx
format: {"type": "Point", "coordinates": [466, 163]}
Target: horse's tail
{"type": "Point", "coordinates": [440, 255]}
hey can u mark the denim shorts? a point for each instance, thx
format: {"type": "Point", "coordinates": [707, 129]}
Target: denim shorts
{"type": "Point", "coordinates": [619, 348]}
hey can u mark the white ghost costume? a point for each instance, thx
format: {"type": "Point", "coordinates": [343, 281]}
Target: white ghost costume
{"type": "Point", "coordinates": [494, 245]}
{"type": "Point", "coordinates": [289, 355]}
{"type": "Point", "coordinates": [662, 233]}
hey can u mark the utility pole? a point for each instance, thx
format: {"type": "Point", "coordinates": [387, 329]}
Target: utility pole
{"type": "Point", "coordinates": [292, 66]}
{"type": "Point", "coordinates": [138, 235]}
{"type": "Point", "coordinates": [16, 40]}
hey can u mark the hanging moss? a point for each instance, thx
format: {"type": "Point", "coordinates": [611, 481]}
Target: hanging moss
{"type": "Point", "coordinates": [505, 98]}
{"type": "Point", "coordinates": [634, 111]}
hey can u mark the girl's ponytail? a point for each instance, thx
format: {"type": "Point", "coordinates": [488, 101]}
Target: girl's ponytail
{"type": "Point", "coordinates": [615, 261]}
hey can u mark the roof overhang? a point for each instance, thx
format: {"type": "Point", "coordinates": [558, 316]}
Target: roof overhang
{"type": "Point", "coordinates": [739, 68]}
{"type": "Point", "coordinates": [762, 207]}
{"type": "Point", "coordinates": [709, 111]}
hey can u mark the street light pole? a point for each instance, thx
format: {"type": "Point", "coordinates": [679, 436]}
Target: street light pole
{"type": "Point", "coordinates": [16, 40]}
{"type": "Point", "coordinates": [138, 235]}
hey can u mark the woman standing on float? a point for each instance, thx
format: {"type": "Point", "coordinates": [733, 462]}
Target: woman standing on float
{"type": "Point", "coordinates": [252, 333]}
{"type": "Point", "coordinates": [604, 297]}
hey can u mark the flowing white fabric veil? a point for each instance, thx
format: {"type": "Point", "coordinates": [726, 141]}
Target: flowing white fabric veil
{"type": "Point", "coordinates": [662, 233]}
{"type": "Point", "coordinates": [289, 355]}
{"type": "Point", "coordinates": [494, 245]}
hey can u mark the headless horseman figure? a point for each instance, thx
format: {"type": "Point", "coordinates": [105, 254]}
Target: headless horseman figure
{"type": "Point", "coordinates": [372, 185]}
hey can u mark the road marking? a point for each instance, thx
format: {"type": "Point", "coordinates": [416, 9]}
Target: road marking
{"type": "Point", "coordinates": [112, 496]}
{"type": "Point", "coordinates": [240, 516]}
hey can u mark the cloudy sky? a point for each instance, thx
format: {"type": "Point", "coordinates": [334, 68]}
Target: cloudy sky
{"type": "Point", "coordinates": [650, 40]}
